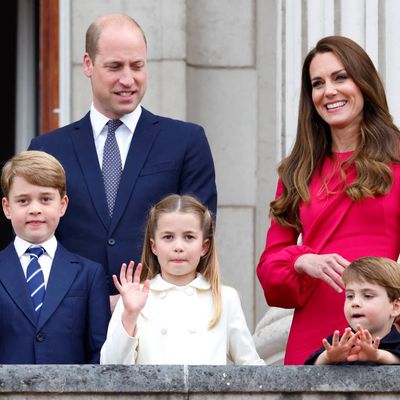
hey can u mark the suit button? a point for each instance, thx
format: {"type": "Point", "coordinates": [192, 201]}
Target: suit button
{"type": "Point", "coordinates": [111, 241]}
{"type": "Point", "coordinates": [40, 337]}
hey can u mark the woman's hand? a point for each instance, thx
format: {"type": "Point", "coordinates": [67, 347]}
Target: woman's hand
{"type": "Point", "coordinates": [327, 267]}
{"type": "Point", "coordinates": [133, 296]}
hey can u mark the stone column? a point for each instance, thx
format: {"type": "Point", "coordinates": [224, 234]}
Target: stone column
{"type": "Point", "coordinates": [222, 96]}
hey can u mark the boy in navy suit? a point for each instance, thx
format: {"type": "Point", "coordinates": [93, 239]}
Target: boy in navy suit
{"type": "Point", "coordinates": [54, 303]}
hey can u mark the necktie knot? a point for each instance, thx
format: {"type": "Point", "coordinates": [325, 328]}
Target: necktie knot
{"type": "Point", "coordinates": [35, 251]}
{"type": "Point", "coordinates": [113, 125]}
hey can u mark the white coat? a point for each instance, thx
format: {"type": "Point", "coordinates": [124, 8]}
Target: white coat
{"type": "Point", "coordinates": [173, 329]}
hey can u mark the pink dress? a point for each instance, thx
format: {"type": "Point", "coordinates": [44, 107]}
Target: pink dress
{"type": "Point", "coordinates": [332, 223]}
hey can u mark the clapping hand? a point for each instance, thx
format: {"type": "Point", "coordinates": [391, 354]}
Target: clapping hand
{"type": "Point", "coordinates": [340, 348]}
{"type": "Point", "coordinates": [366, 348]}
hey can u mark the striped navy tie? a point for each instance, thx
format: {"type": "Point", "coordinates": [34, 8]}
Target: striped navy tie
{"type": "Point", "coordinates": [35, 278]}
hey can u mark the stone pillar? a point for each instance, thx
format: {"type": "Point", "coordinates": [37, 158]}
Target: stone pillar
{"type": "Point", "coordinates": [222, 96]}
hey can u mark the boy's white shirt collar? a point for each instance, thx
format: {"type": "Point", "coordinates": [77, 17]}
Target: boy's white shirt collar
{"type": "Point", "coordinates": [98, 120]}
{"type": "Point", "coordinates": [50, 246]}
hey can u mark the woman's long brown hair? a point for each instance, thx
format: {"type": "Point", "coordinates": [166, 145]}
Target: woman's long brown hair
{"type": "Point", "coordinates": [378, 143]}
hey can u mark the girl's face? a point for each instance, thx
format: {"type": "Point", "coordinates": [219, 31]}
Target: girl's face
{"type": "Point", "coordinates": [178, 244]}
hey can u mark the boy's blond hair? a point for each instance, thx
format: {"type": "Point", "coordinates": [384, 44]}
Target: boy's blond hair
{"type": "Point", "coordinates": [377, 270]}
{"type": "Point", "coordinates": [37, 168]}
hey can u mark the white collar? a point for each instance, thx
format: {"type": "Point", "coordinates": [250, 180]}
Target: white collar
{"type": "Point", "coordinates": [50, 246]}
{"type": "Point", "coordinates": [159, 284]}
{"type": "Point", "coordinates": [99, 120]}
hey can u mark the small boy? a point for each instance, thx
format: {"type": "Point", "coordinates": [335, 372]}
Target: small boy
{"type": "Point", "coordinates": [54, 304]}
{"type": "Point", "coordinates": [372, 305]}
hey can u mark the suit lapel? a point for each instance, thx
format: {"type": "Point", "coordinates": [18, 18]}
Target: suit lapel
{"type": "Point", "coordinates": [82, 139]}
{"type": "Point", "coordinates": [63, 272]}
{"type": "Point", "coordinates": [145, 133]}
{"type": "Point", "coordinates": [14, 282]}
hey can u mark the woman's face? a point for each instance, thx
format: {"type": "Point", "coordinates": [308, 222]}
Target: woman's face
{"type": "Point", "coordinates": [337, 99]}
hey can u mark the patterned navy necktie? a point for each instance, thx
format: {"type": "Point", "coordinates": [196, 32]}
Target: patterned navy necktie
{"type": "Point", "coordinates": [112, 165]}
{"type": "Point", "coordinates": [35, 278]}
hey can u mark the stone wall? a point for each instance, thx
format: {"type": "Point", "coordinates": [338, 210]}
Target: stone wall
{"type": "Point", "coordinates": [234, 67]}
{"type": "Point", "coordinates": [94, 382]}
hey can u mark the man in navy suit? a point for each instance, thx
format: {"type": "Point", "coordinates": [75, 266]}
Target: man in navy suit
{"type": "Point", "coordinates": [159, 155]}
{"type": "Point", "coordinates": [54, 304]}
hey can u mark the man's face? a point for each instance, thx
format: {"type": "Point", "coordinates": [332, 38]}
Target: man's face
{"type": "Point", "coordinates": [119, 71]}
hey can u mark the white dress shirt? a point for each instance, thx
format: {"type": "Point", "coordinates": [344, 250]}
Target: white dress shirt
{"type": "Point", "coordinates": [123, 134]}
{"type": "Point", "coordinates": [45, 260]}
{"type": "Point", "coordinates": [173, 329]}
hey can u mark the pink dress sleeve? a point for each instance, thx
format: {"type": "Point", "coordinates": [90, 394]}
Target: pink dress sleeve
{"type": "Point", "coordinates": [282, 285]}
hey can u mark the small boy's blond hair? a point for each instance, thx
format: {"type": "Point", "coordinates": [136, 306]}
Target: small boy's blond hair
{"type": "Point", "coordinates": [377, 270]}
{"type": "Point", "coordinates": [37, 168]}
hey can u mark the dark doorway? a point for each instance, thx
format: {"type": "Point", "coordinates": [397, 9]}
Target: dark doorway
{"type": "Point", "coordinates": [39, 26]}
{"type": "Point", "coordinates": [9, 33]}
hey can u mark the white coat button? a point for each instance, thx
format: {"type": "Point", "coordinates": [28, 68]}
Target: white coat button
{"type": "Point", "coordinates": [163, 331]}
{"type": "Point", "coordinates": [189, 291]}
{"type": "Point", "coordinates": [192, 330]}
{"type": "Point", "coordinates": [163, 295]}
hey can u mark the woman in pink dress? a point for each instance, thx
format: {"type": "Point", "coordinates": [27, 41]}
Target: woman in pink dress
{"type": "Point", "coordinates": [339, 188]}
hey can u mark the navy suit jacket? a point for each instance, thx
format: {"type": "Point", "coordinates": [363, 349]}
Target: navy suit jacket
{"type": "Point", "coordinates": [166, 156]}
{"type": "Point", "coordinates": [73, 321]}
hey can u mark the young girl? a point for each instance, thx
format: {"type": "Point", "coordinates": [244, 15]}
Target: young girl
{"type": "Point", "coordinates": [180, 314]}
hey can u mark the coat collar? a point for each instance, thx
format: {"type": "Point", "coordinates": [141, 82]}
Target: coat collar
{"type": "Point", "coordinates": [64, 269]}
{"type": "Point", "coordinates": [145, 133]}
{"type": "Point", "coordinates": [13, 280]}
{"type": "Point", "coordinates": [63, 272]}
{"type": "Point", "coordinates": [85, 150]}
{"type": "Point", "coordinates": [158, 284]}
{"type": "Point", "coordinates": [160, 288]}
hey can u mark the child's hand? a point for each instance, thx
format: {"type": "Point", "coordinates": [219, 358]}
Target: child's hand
{"type": "Point", "coordinates": [339, 349]}
{"type": "Point", "coordinates": [365, 349]}
{"type": "Point", "coordinates": [133, 297]}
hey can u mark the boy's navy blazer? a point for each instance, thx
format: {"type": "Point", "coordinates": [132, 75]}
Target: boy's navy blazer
{"type": "Point", "coordinates": [166, 156]}
{"type": "Point", "coordinates": [72, 324]}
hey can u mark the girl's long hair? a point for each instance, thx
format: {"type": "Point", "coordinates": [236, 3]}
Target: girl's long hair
{"type": "Point", "coordinates": [378, 143]}
{"type": "Point", "coordinates": [208, 265]}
